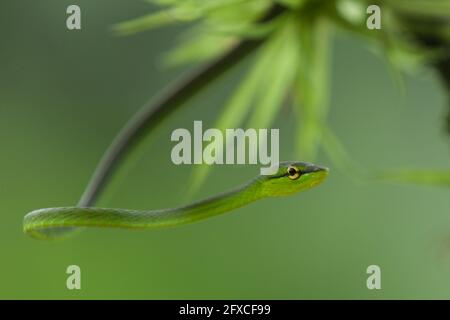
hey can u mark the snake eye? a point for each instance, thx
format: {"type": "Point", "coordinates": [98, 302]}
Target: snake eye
{"type": "Point", "coordinates": [293, 172]}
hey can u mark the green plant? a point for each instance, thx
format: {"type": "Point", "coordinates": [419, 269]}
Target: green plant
{"type": "Point", "coordinates": [293, 38]}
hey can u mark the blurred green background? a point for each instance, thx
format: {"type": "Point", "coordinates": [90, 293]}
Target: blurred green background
{"type": "Point", "coordinates": [65, 94]}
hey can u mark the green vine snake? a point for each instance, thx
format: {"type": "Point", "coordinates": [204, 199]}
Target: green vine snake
{"type": "Point", "coordinates": [290, 178]}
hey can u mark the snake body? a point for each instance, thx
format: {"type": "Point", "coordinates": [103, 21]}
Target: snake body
{"type": "Point", "coordinates": [290, 178]}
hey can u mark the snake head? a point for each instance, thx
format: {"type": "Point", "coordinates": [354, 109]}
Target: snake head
{"type": "Point", "coordinates": [292, 177]}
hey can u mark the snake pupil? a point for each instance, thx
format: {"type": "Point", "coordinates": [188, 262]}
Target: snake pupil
{"type": "Point", "coordinates": [293, 172]}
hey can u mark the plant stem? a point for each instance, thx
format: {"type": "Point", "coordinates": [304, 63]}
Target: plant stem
{"type": "Point", "coordinates": [434, 41]}
{"type": "Point", "coordinates": [169, 100]}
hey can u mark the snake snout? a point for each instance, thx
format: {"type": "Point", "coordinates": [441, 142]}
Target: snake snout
{"type": "Point", "coordinates": [316, 168]}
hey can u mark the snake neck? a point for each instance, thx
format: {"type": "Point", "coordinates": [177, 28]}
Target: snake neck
{"type": "Point", "coordinates": [221, 203]}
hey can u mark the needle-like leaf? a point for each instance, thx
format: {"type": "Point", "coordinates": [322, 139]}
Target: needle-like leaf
{"type": "Point", "coordinates": [239, 105]}
{"type": "Point", "coordinates": [311, 95]}
{"type": "Point", "coordinates": [417, 176]}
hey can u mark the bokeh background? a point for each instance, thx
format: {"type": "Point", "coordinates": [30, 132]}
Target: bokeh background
{"type": "Point", "coordinates": [65, 94]}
